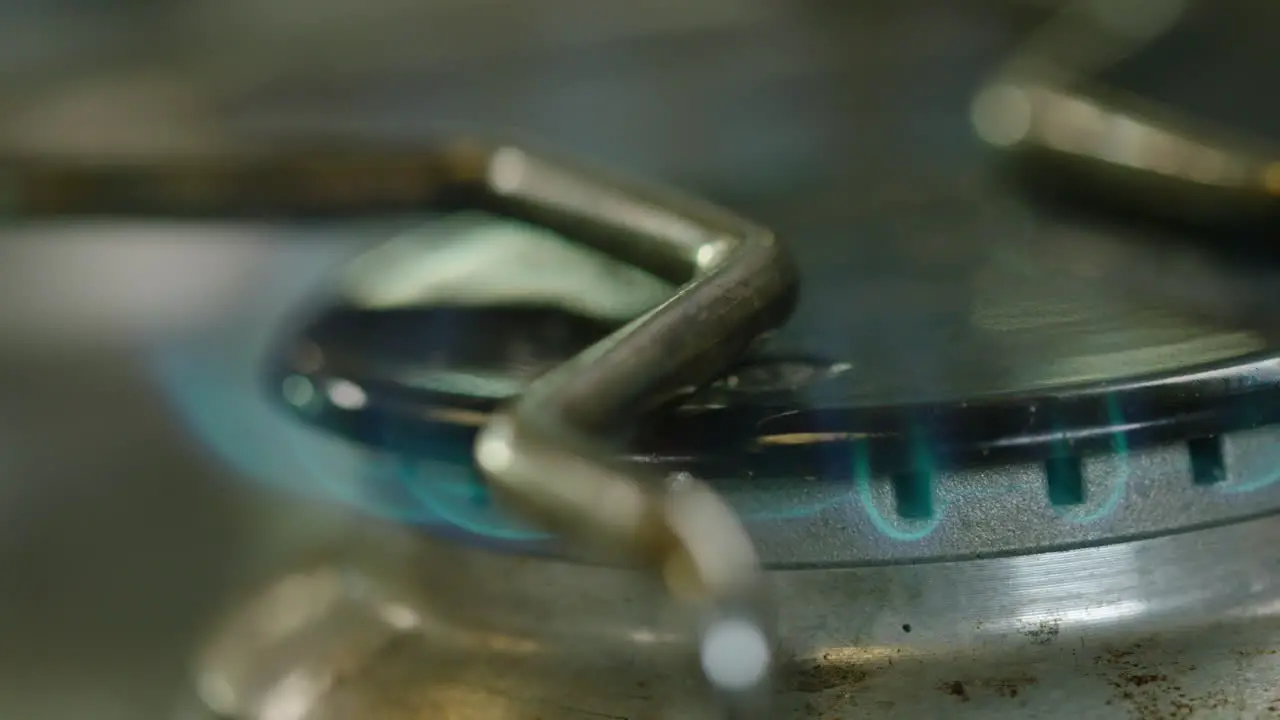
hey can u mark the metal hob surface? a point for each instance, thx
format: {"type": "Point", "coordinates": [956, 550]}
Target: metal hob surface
{"type": "Point", "coordinates": [1178, 627]}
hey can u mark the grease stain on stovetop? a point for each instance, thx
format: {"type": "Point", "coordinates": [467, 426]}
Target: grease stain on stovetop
{"type": "Point", "coordinates": [955, 688]}
{"type": "Point", "coordinates": [1009, 687]}
{"type": "Point", "coordinates": [1044, 632]}
{"type": "Point", "coordinates": [822, 676]}
{"type": "Point", "coordinates": [1151, 694]}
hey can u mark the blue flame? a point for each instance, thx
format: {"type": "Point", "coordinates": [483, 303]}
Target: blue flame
{"type": "Point", "coordinates": [261, 444]}
{"type": "Point", "coordinates": [1120, 446]}
{"type": "Point", "coordinates": [449, 501]}
{"type": "Point", "coordinates": [213, 382]}
{"type": "Point", "coordinates": [237, 423]}
{"type": "Point", "coordinates": [241, 428]}
{"type": "Point", "coordinates": [862, 478]}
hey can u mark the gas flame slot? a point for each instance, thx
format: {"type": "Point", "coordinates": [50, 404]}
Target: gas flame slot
{"type": "Point", "coordinates": [1064, 477]}
{"type": "Point", "coordinates": [1207, 465]}
{"type": "Point", "coordinates": [913, 494]}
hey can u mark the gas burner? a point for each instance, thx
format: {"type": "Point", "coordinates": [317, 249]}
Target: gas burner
{"type": "Point", "coordinates": [1057, 404]}
{"type": "Point", "coordinates": [1012, 447]}
{"type": "Point", "coordinates": [968, 373]}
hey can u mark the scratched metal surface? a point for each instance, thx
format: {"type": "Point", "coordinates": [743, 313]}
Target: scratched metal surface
{"type": "Point", "coordinates": [1178, 627]}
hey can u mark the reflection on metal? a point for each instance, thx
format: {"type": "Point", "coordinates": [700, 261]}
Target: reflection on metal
{"type": "Point", "coordinates": [1008, 115]}
{"type": "Point", "coordinates": [1172, 627]}
{"type": "Point", "coordinates": [318, 620]}
{"type": "Point", "coordinates": [1081, 332]}
{"type": "Point", "coordinates": [809, 438]}
{"type": "Point", "coordinates": [1002, 114]}
{"type": "Point", "coordinates": [481, 260]}
{"type": "Point", "coordinates": [1271, 178]}
{"type": "Point", "coordinates": [1046, 99]}
{"type": "Point", "coordinates": [346, 395]}
{"type": "Point", "coordinates": [298, 391]}
{"type": "Point", "coordinates": [470, 383]}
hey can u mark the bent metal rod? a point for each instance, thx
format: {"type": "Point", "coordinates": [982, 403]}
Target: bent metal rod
{"type": "Point", "coordinates": [548, 455]}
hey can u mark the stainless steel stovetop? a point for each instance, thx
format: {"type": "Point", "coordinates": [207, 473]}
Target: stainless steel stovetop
{"type": "Point", "coordinates": [1151, 629]}
{"type": "Point", "coordinates": [176, 551]}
